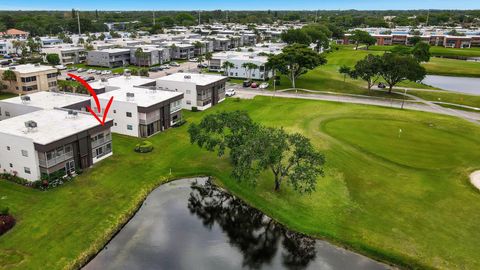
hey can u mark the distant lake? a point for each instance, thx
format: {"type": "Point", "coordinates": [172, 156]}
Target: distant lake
{"type": "Point", "coordinates": [457, 84]}
{"type": "Point", "coordinates": [192, 224]}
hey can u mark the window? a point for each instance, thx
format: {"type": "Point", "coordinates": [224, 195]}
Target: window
{"type": "Point", "coordinates": [115, 124]}
{"type": "Point", "coordinates": [189, 102]}
{"type": "Point", "coordinates": [129, 114]}
{"type": "Point", "coordinates": [26, 170]}
{"type": "Point", "coordinates": [11, 165]}
{"type": "Point", "coordinates": [188, 92]}
{"type": "Point", "coordinates": [7, 114]}
{"type": "Point", "coordinates": [109, 147]}
{"type": "Point", "coordinates": [8, 148]}
{"type": "Point", "coordinates": [129, 127]}
{"type": "Point", "coordinates": [25, 153]}
{"type": "Point", "coordinates": [29, 79]}
{"type": "Point", "coordinates": [99, 151]}
{"type": "Point", "coordinates": [114, 111]}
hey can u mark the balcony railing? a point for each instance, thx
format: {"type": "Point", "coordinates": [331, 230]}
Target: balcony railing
{"type": "Point", "coordinates": [55, 160]}
{"type": "Point", "coordinates": [101, 141]}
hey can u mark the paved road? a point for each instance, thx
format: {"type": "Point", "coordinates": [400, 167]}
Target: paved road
{"type": "Point", "coordinates": [416, 104]}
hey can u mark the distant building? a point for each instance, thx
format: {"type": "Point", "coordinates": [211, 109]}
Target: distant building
{"type": "Point", "coordinates": [109, 58]}
{"type": "Point", "coordinates": [238, 59]}
{"type": "Point", "coordinates": [68, 54]}
{"type": "Point", "coordinates": [31, 77]}
{"type": "Point", "coordinates": [15, 33]}
{"type": "Point", "coordinates": [201, 91]}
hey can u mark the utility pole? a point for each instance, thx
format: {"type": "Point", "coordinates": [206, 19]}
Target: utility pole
{"type": "Point", "coordinates": [316, 16]}
{"type": "Point", "coordinates": [199, 19]}
{"type": "Point", "coordinates": [153, 17]}
{"type": "Point", "coordinates": [227, 15]}
{"type": "Point", "coordinates": [78, 20]}
{"type": "Point", "coordinates": [428, 16]}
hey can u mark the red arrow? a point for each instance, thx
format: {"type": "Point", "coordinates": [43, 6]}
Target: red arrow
{"type": "Point", "coordinates": [97, 102]}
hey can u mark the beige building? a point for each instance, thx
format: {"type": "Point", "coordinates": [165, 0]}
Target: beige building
{"type": "Point", "coordinates": [30, 78]}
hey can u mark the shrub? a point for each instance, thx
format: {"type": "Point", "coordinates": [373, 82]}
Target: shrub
{"type": "Point", "coordinates": [179, 123]}
{"type": "Point", "coordinates": [6, 223]}
{"type": "Point", "coordinates": [144, 147]}
{"type": "Point", "coordinates": [194, 109]}
{"type": "Point", "coordinates": [4, 211]}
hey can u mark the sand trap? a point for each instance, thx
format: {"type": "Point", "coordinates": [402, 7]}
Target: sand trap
{"type": "Point", "coordinates": [475, 179]}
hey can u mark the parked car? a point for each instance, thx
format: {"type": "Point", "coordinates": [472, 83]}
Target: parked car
{"type": "Point", "coordinates": [91, 71]}
{"type": "Point", "coordinates": [193, 60]}
{"type": "Point", "coordinates": [381, 85]}
{"type": "Point", "coordinates": [72, 69]}
{"type": "Point", "coordinates": [98, 72]}
{"type": "Point", "coordinates": [202, 65]}
{"type": "Point", "coordinates": [180, 70]}
{"type": "Point", "coordinates": [60, 67]}
{"type": "Point", "coordinates": [247, 83]}
{"type": "Point", "coordinates": [263, 85]}
{"type": "Point", "coordinates": [80, 70]}
{"type": "Point", "coordinates": [6, 56]}
{"type": "Point", "coordinates": [254, 85]}
{"type": "Point", "coordinates": [174, 64]}
{"type": "Point", "coordinates": [106, 72]}
{"type": "Point", "coordinates": [69, 79]}
{"type": "Point", "coordinates": [230, 92]}
{"type": "Point", "coordinates": [90, 78]}
{"type": "Point", "coordinates": [165, 66]}
{"type": "Point", "coordinates": [156, 69]}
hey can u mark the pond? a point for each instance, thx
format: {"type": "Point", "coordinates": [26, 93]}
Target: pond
{"type": "Point", "coordinates": [192, 224]}
{"type": "Point", "coordinates": [457, 84]}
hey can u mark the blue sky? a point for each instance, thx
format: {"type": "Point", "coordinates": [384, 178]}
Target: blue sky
{"type": "Point", "coordinates": [235, 5]}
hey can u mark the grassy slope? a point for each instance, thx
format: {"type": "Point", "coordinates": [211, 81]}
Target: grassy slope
{"type": "Point", "coordinates": [327, 77]}
{"type": "Point", "coordinates": [4, 95]}
{"type": "Point", "coordinates": [406, 199]}
{"type": "Point", "coordinates": [452, 67]}
{"type": "Point", "coordinates": [445, 66]}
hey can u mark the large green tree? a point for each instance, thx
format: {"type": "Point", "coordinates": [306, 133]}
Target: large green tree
{"type": "Point", "coordinates": [421, 52]}
{"type": "Point", "coordinates": [299, 36]}
{"type": "Point", "coordinates": [10, 76]}
{"type": "Point", "coordinates": [53, 59]}
{"type": "Point", "coordinates": [296, 60]}
{"type": "Point", "coordinates": [319, 34]}
{"type": "Point", "coordinates": [362, 37]}
{"type": "Point", "coordinates": [396, 68]}
{"type": "Point", "coordinates": [368, 69]}
{"type": "Point", "coordinates": [254, 148]}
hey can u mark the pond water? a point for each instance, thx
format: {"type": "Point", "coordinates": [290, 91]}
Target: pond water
{"type": "Point", "coordinates": [192, 224]}
{"type": "Point", "coordinates": [457, 84]}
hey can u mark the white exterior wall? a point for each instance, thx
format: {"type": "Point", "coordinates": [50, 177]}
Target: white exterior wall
{"type": "Point", "coordinates": [14, 109]}
{"type": "Point", "coordinates": [239, 72]}
{"type": "Point", "coordinates": [15, 157]}
{"type": "Point", "coordinates": [189, 90]}
{"type": "Point", "coordinates": [118, 112]}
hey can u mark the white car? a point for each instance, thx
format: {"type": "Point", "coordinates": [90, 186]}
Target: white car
{"type": "Point", "coordinates": [230, 92]}
{"type": "Point", "coordinates": [174, 64]}
{"type": "Point", "coordinates": [91, 71]}
{"type": "Point", "coordinates": [164, 66]}
{"type": "Point", "coordinates": [263, 85]}
{"type": "Point", "coordinates": [106, 72]}
{"type": "Point", "coordinates": [194, 60]}
{"type": "Point", "coordinates": [60, 67]}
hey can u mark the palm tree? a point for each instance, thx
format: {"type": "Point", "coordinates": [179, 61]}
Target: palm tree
{"type": "Point", "coordinates": [17, 45]}
{"type": "Point", "coordinates": [208, 57]}
{"type": "Point", "coordinates": [173, 47]}
{"type": "Point", "coordinates": [227, 65]}
{"type": "Point", "coordinates": [10, 76]}
{"type": "Point", "coordinates": [198, 45]}
{"type": "Point", "coordinates": [249, 67]}
{"type": "Point", "coordinates": [141, 56]}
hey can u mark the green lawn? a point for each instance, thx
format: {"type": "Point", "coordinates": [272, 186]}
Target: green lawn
{"type": "Point", "coordinates": [5, 95]}
{"type": "Point", "coordinates": [450, 97]}
{"type": "Point", "coordinates": [402, 198]}
{"type": "Point", "coordinates": [439, 51]}
{"type": "Point", "coordinates": [327, 77]}
{"type": "Point", "coordinates": [452, 67]}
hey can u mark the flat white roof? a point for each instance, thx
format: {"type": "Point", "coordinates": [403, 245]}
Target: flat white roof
{"type": "Point", "coordinates": [198, 79]}
{"type": "Point", "coordinates": [30, 68]}
{"type": "Point", "coordinates": [114, 50]}
{"type": "Point", "coordinates": [52, 125]}
{"type": "Point", "coordinates": [122, 81]}
{"type": "Point", "coordinates": [49, 100]}
{"type": "Point", "coordinates": [143, 97]}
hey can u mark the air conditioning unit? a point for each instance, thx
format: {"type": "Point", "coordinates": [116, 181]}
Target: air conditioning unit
{"type": "Point", "coordinates": [187, 77]}
{"type": "Point", "coordinates": [25, 99]}
{"type": "Point", "coordinates": [130, 96]}
{"type": "Point", "coordinates": [30, 125]}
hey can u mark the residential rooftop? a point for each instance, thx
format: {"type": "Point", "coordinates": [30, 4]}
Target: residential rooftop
{"type": "Point", "coordinates": [52, 125]}
{"type": "Point", "coordinates": [143, 97]}
{"type": "Point", "coordinates": [49, 100]}
{"type": "Point", "coordinates": [198, 79]}
{"type": "Point", "coordinates": [122, 81]}
{"type": "Point", "coordinates": [30, 68]}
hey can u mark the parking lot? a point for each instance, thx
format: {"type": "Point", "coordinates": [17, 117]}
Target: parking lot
{"type": "Point", "coordinates": [184, 67]}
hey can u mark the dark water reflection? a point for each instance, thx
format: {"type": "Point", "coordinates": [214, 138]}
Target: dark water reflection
{"type": "Point", "coordinates": [192, 224]}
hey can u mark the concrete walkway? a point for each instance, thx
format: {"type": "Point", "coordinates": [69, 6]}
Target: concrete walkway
{"type": "Point", "coordinates": [475, 179]}
{"type": "Point", "coordinates": [416, 103]}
